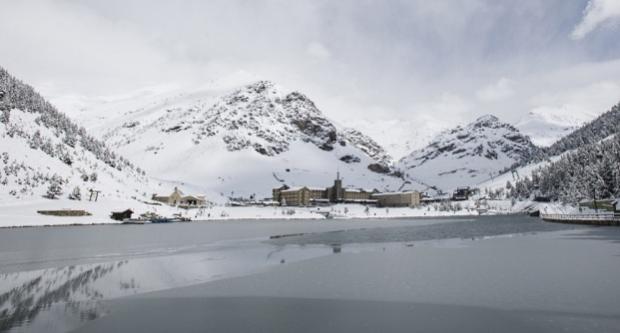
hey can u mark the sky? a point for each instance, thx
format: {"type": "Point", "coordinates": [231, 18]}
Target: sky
{"type": "Point", "coordinates": [372, 64]}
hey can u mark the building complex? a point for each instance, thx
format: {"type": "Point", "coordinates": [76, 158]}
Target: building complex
{"type": "Point", "coordinates": [307, 196]}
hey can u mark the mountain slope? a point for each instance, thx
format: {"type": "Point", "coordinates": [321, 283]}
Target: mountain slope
{"type": "Point", "coordinates": [594, 131]}
{"type": "Point", "coordinates": [467, 155]}
{"type": "Point", "coordinates": [584, 173]}
{"type": "Point", "coordinates": [578, 166]}
{"type": "Point", "coordinates": [546, 127]}
{"type": "Point", "coordinates": [42, 149]}
{"type": "Point", "coordinates": [247, 142]}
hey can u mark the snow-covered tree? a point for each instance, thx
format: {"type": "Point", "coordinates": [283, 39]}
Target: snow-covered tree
{"type": "Point", "coordinates": [589, 171]}
{"type": "Point", "coordinates": [76, 194]}
{"type": "Point", "coordinates": [54, 189]}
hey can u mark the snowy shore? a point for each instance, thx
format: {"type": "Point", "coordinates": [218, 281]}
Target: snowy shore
{"type": "Point", "coordinates": [24, 213]}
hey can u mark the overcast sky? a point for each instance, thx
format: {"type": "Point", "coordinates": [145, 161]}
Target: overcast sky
{"type": "Point", "coordinates": [449, 60]}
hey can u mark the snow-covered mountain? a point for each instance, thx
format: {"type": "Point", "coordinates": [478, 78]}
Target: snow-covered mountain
{"type": "Point", "coordinates": [545, 126]}
{"type": "Point", "coordinates": [467, 155]}
{"type": "Point", "coordinates": [598, 129]}
{"type": "Point", "coordinates": [44, 153]}
{"type": "Point", "coordinates": [572, 167]}
{"type": "Point", "coordinates": [247, 142]}
{"type": "Point", "coordinates": [401, 135]}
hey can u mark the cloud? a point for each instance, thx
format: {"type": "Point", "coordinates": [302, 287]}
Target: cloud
{"type": "Point", "coordinates": [57, 46]}
{"type": "Point", "coordinates": [596, 13]}
{"type": "Point", "coordinates": [579, 103]}
{"type": "Point", "coordinates": [318, 50]}
{"type": "Point", "coordinates": [372, 59]}
{"type": "Point", "coordinates": [501, 90]}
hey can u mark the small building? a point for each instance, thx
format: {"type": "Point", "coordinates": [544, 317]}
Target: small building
{"type": "Point", "coordinates": [119, 216]}
{"type": "Point", "coordinates": [435, 199]}
{"type": "Point", "coordinates": [397, 199]}
{"type": "Point", "coordinates": [462, 193]}
{"type": "Point", "coordinates": [178, 198]}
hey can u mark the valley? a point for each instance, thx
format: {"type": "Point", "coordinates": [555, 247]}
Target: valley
{"type": "Point", "coordinates": [234, 146]}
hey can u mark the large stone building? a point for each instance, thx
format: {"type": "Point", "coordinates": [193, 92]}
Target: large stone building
{"type": "Point", "coordinates": [177, 198]}
{"type": "Point", "coordinates": [398, 199]}
{"type": "Point", "coordinates": [298, 196]}
{"type": "Point", "coordinates": [305, 196]}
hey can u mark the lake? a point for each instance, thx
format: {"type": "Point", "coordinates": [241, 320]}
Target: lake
{"type": "Point", "coordinates": [435, 274]}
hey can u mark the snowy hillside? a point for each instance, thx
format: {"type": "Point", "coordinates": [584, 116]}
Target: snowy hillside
{"type": "Point", "coordinates": [247, 142]}
{"type": "Point", "coordinates": [601, 128]}
{"type": "Point", "coordinates": [590, 171]}
{"type": "Point", "coordinates": [467, 155]}
{"type": "Point", "coordinates": [579, 166]}
{"type": "Point", "coordinates": [546, 126]}
{"type": "Point", "coordinates": [44, 154]}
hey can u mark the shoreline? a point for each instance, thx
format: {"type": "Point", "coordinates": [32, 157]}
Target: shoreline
{"type": "Point", "coordinates": [258, 219]}
{"type": "Point", "coordinates": [24, 214]}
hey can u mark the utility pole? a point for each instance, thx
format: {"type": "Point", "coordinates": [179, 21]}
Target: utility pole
{"type": "Point", "coordinates": [595, 205]}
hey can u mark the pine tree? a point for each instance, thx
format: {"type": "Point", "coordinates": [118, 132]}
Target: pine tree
{"type": "Point", "coordinates": [55, 189]}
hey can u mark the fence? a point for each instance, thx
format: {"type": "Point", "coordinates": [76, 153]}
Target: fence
{"type": "Point", "coordinates": [595, 219]}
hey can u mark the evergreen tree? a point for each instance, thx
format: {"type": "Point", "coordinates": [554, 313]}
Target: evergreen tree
{"type": "Point", "coordinates": [54, 190]}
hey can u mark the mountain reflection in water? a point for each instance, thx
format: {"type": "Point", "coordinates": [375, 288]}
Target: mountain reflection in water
{"type": "Point", "coordinates": [24, 302]}
{"type": "Point", "coordinates": [62, 299]}
{"type": "Point", "coordinates": [74, 294]}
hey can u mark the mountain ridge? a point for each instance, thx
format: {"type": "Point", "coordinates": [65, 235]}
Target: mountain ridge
{"type": "Point", "coordinates": [467, 154]}
{"type": "Point", "coordinates": [257, 123]}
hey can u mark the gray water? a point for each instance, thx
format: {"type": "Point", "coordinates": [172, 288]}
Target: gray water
{"type": "Point", "coordinates": [185, 276]}
{"type": "Point", "coordinates": [41, 247]}
{"type": "Point", "coordinates": [480, 227]}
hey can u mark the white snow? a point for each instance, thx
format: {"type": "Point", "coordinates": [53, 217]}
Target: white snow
{"type": "Point", "coordinates": [25, 213]}
{"type": "Point", "coordinates": [545, 126]}
{"type": "Point", "coordinates": [32, 168]}
{"type": "Point", "coordinates": [214, 144]}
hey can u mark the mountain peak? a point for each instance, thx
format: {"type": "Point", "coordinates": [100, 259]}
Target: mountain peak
{"type": "Point", "coordinates": [280, 133]}
{"type": "Point", "coordinates": [486, 120]}
{"type": "Point", "coordinates": [260, 86]}
{"type": "Point", "coordinates": [468, 154]}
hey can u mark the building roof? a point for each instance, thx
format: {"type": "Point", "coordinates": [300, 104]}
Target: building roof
{"type": "Point", "coordinates": [197, 197]}
{"type": "Point", "coordinates": [298, 188]}
{"type": "Point", "coordinates": [394, 193]}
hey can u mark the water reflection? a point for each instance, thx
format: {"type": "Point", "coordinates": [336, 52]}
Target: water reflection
{"type": "Point", "coordinates": [62, 298]}
{"type": "Point", "coordinates": [25, 300]}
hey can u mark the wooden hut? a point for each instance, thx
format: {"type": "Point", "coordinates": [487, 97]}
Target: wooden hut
{"type": "Point", "coordinates": [119, 216]}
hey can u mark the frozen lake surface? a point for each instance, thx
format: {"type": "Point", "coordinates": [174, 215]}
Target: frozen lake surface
{"type": "Point", "coordinates": [503, 273]}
